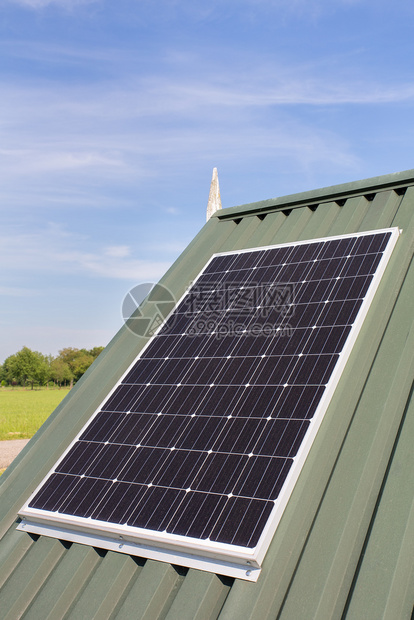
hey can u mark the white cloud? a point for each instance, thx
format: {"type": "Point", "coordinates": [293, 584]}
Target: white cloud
{"type": "Point", "coordinates": [51, 53]}
{"type": "Point", "coordinates": [14, 291]}
{"type": "Point", "coordinates": [41, 4]}
{"type": "Point", "coordinates": [116, 130]}
{"type": "Point", "coordinates": [45, 157]}
{"type": "Point", "coordinates": [135, 270]}
{"type": "Point", "coordinates": [53, 250]}
{"type": "Point", "coordinates": [118, 251]}
{"type": "Point", "coordinates": [73, 143]}
{"type": "Point", "coordinates": [271, 86]}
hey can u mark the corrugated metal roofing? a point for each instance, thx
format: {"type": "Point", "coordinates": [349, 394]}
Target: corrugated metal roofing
{"type": "Point", "coordinates": [345, 545]}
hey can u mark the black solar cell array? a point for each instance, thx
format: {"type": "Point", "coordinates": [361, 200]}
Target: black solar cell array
{"type": "Point", "coordinates": [199, 437]}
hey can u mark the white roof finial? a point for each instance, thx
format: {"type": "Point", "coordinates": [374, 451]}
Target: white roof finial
{"type": "Point", "coordinates": [214, 200]}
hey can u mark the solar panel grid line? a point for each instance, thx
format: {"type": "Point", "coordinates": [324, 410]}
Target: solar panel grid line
{"type": "Point", "coordinates": [291, 279]}
{"type": "Point", "coordinates": [125, 464]}
{"type": "Point", "coordinates": [251, 439]}
{"type": "Point", "coordinates": [255, 317]}
{"type": "Point", "coordinates": [244, 356]}
{"type": "Point", "coordinates": [251, 404]}
{"type": "Point", "coordinates": [392, 236]}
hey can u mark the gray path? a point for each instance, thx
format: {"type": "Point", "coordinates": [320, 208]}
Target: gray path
{"type": "Point", "coordinates": [9, 450]}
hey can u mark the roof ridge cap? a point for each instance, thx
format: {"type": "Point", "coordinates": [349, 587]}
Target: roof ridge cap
{"type": "Point", "coordinates": [322, 195]}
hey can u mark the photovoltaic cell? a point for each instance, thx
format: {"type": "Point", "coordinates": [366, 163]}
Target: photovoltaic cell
{"type": "Point", "coordinates": [201, 435]}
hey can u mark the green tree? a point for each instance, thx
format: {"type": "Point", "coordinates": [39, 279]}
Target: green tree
{"type": "Point", "coordinates": [26, 366]}
{"type": "Point", "coordinates": [60, 372]}
{"type": "Point", "coordinates": [78, 360]}
{"type": "Point", "coordinates": [96, 351]}
{"type": "Point", "coordinates": [81, 363]}
{"type": "Point", "coordinates": [32, 367]}
{"type": "Point", "coordinates": [68, 357]}
{"type": "Point", "coordinates": [7, 370]}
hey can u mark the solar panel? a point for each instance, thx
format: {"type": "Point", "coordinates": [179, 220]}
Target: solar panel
{"type": "Point", "coordinates": [192, 457]}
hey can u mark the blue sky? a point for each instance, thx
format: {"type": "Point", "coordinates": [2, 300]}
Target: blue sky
{"type": "Point", "coordinates": [113, 115]}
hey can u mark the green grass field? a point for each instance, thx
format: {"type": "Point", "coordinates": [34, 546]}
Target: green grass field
{"type": "Point", "coordinates": [22, 411]}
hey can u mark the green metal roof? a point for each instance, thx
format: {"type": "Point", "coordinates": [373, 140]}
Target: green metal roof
{"type": "Point", "coordinates": [345, 545]}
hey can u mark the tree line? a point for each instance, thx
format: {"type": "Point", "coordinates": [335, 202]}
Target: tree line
{"type": "Point", "coordinates": [31, 368]}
